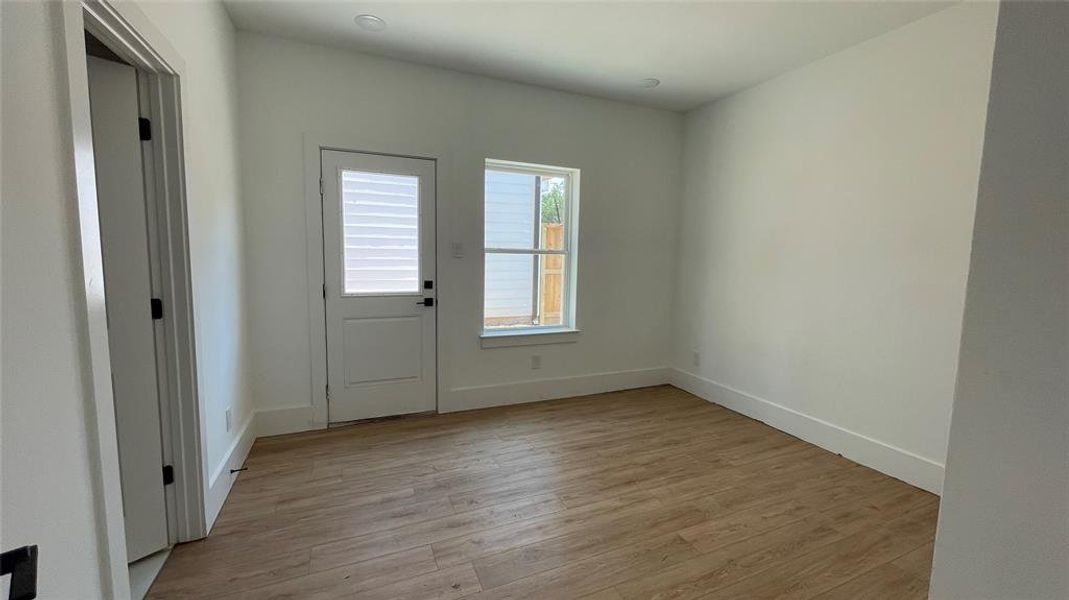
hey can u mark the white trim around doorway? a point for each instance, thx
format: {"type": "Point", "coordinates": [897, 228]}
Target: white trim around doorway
{"type": "Point", "coordinates": [128, 32]}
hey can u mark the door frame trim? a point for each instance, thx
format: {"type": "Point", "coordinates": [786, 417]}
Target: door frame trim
{"type": "Point", "coordinates": [314, 144]}
{"type": "Point", "coordinates": [130, 34]}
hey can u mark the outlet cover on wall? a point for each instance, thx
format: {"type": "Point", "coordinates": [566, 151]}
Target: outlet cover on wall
{"type": "Point", "coordinates": [695, 358]}
{"type": "Point", "coordinates": [228, 419]}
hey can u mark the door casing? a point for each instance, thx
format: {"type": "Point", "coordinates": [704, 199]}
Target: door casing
{"type": "Point", "coordinates": [130, 34]}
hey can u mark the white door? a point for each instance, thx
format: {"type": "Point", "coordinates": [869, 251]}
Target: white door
{"type": "Point", "coordinates": [379, 263]}
{"type": "Point", "coordinates": [128, 292]}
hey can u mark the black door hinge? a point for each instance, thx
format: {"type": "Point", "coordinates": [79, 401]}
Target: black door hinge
{"type": "Point", "coordinates": [157, 309]}
{"type": "Point", "coordinates": [168, 474]}
{"type": "Point", "coordinates": [144, 128]}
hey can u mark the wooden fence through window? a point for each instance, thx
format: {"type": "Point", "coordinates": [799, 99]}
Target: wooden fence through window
{"type": "Point", "coordinates": [552, 276]}
{"type": "Point", "coordinates": [550, 280]}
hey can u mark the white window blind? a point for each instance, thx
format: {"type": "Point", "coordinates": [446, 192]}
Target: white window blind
{"type": "Point", "coordinates": [380, 237]}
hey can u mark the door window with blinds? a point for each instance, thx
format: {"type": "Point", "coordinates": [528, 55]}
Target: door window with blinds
{"type": "Point", "coordinates": [380, 233]}
{"type": "Point", "coordinates": [530, 243]}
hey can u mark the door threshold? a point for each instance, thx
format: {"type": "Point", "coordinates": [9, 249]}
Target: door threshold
{"type": "Point", "coordinates": [380, 419]}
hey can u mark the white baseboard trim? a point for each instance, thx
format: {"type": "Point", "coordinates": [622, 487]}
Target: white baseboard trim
{"type": "Point", "coordinates": [896, 462]}
{"type": "Point", "coordinates": [290, 419]}
{"type": "Point", "coordinates": [294, 419]}
{"type": "Point", "coordinates": [222, 479]}
{"type": "Point", "coordinates": [143, 573]}
{"type": "Point", "coordinates": [520, 392]}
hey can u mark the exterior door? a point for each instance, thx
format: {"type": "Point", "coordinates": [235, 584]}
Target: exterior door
{"type": "Point", "coordinates": [128, 292]}
{"type": "Point", "coordinates": [379, 263]}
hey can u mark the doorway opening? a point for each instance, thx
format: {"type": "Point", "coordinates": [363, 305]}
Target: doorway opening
{"type": "Point", "coordinates": [379, 284]}
{"type": "Point", "coordinates": [132, 271]}
{"type": "Point", "coordinates": [124, 82]}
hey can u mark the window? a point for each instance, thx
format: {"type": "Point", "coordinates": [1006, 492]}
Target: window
{"type": "Point", "coordinates": [529, 240]}
{"type": "Point", "coordinates": [380, 233]}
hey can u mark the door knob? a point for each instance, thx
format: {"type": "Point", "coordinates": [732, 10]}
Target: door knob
{"type": "Point", "coordinates": [426, 302]}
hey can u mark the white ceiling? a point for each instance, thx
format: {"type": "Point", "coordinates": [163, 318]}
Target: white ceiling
{"type": "Point", "coordinates": [699, 51]}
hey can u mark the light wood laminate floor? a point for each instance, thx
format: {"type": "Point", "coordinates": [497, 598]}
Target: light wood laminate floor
{"type": "Point", "coordinates": [649, 493]}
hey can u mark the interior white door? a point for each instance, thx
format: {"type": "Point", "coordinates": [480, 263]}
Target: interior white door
{"type": "Point", "coordinates": [379, 263]}
{"type": "Point", "coordinates": [127, 288]}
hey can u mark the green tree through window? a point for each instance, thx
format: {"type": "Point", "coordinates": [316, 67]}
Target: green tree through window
{"type": "Point", "coordinates": [552, 198]}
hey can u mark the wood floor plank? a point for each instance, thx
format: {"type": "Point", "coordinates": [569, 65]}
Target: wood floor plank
{"type": "Point", "coordinates": [648, 493]}
{"type": "Point", "coordinates": [445, 584]}
{"type": "Point", "coordinates": [596, 573]}
{"type": "Point", "coordinates": [769, 514]}
{"type": "Point", "coordinates": [605, 594]}
{"type": "Point", "coordinates": [189, 573]}
{"type": "Point", "coordinates": [714, 520]}
{"type": "Point", "coordinates": [344, 582]}
{"type": "Point", "coordinates": [918, 562]}
{"type": "Point", "coordinates": [506, 567]}
{"type": "Point", "coordinates": [884, 582]}
{"type": "Point", "coordinates": [736, 560]}
{"type": "Point", "coordinates": [305, 532]}
{"type": "Point", "coordinates": [694, 578]}
{"type": "Point", "coordinates": [907, 577]}
{"type": "Point", "coordinates": [830, 566]}
{"type": "Point", "coordinates": [464, 549]}
{"type": "Point", "coordinates": [360, 548]}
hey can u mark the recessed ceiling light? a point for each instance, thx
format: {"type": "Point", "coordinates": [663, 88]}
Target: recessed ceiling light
{"type": "Point", "coordinates": [370, 22]}
{"type": "Point", "coordinates": [649, 82]}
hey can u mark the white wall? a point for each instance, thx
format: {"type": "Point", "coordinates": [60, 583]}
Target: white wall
{"type": "Point", "coordinates": [47, 473]}
{"type": "Point", "coordinates": [202, 34]}
{"type": "Point", "coordinates": [629, 158]}
{"type": "Point", "coordinates": [1004, 520]}
{"type": "Point", "coordinates": [824, 242]}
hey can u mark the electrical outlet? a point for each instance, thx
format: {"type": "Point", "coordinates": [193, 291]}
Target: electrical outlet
{"type": "Point", "coordinates": [228, 419]}
{"type": "Point", "coordinates": [695, 358]}
{"type": "Point", "coordinates": [536, 361]}
{"type": "Point", "coordinates": [458, 250]}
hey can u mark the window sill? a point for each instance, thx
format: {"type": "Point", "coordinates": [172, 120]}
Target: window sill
{"type": "Point", "coordinates": [528, 337]}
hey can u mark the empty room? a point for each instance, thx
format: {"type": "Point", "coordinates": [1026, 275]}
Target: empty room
{"type": "Point", "coordinates": [534, 300]}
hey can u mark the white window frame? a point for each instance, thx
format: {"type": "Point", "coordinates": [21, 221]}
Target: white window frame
{"type": "Point", "coordinates": [507, 336]}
